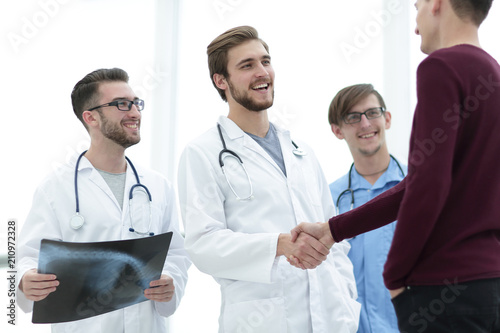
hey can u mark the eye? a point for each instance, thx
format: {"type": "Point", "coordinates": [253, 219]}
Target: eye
{"type": "Point", "coordinates": [352, 116]}
{"type": "Point", "coordinates": [123, 103]}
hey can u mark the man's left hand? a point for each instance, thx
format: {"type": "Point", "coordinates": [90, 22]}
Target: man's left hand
{"type": "Point", "coordinates": [161, 290]}
{"type": "Point", "coordinates": [396, 292]}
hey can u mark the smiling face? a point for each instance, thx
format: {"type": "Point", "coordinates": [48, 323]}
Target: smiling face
{"type": "Point", "coordinates": [367, 137]}
{"type": "Point", "coordinates": [119, 127]}
{"type": "Point", "coordinates": [250, 83]}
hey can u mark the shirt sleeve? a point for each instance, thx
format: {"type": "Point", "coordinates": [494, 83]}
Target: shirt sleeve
{"type": "Point", "coordinates": [429, 179]}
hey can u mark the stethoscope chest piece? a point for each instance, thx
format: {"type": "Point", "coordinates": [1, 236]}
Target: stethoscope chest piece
{"type": "Point", "coordinates": [77, 221]}
{"type": "Point", "coordinates": [297, 151]}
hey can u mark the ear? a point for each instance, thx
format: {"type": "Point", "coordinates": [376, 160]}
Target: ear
{"type": "Point", "coordinates": [337, 131]}
{"type": "Point", "coordinates": [387, 116]}
{"type": "Point", "coordinates": [220, 81]}
{"type": "Point", "coordinates": [90, 118]}
{"type": "Point", "coordinates": [436, 6]}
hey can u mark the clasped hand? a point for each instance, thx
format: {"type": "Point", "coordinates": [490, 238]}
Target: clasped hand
{"type": "Point", "coordinates": [312, 235]}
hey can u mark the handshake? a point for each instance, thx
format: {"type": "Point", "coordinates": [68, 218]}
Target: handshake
{"type": "Point", "coordinates": [307, 245]}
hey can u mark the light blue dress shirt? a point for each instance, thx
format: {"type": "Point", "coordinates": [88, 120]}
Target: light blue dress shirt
{"type": "Point", "coordinates": [369, 250]}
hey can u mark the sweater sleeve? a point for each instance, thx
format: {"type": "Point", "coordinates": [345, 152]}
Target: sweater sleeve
{"type": "Point", "coordinates": [428, 183]}
{"type": "Point", "coordinates": [379, 211]}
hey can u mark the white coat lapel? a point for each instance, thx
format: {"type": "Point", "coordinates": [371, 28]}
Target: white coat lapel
{"type": "Point", "coordinates": [239, 137]}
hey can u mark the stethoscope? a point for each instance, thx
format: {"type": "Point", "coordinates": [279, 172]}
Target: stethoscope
{"type": "Point", "coordinates": [77, 220]}
{"type": "Point", "coordinates": [297, 151]}
{"type": "Point", "coordinates": [349, 189]}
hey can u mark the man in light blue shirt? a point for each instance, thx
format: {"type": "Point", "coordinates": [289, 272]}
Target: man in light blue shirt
{"type": "Point", "coordinates": [357, 114]}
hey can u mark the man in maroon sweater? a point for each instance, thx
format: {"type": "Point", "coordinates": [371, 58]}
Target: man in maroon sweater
{"type": "Point", "coordinates": [443, 269]}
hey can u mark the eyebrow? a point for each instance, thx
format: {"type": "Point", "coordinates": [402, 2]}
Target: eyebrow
{"type": "Point", "coordinates": [125, 98]}
{"type": "Point", "coordinates": [266, 56]}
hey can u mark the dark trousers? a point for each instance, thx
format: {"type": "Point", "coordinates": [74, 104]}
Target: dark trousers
{"type": "Point", "coordinates": [468, 307]}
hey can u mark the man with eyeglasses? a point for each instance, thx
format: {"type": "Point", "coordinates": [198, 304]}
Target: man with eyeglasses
{"type": "Point", "coordinates": [110, 111]}
{"type": "Point", "coordinates": [357, 115]}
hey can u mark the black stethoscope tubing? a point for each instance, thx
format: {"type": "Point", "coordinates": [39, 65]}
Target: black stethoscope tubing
{"type": "Point", "coordinates": [349, 189]}
{"type": "Point", "coordinates": [297, 151]}
{"type": "Point", "coordinates": [131, 194]}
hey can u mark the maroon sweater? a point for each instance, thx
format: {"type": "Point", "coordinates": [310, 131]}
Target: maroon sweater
{"type": "Point", "coordinates": [448, 207]}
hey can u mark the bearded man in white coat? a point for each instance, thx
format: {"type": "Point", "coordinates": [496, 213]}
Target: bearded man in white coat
{"type": "Point", "coordinates": [242, 186]}
{"type": "Point", "coordinates": [111, 112]}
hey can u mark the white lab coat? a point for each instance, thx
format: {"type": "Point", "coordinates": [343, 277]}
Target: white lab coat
{"type": "Point", "coordinates": [54, 205]}
{"type": "Point", "coordinates": [235, 241]}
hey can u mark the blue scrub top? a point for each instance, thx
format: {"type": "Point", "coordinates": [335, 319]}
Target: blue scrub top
{"type": "Point", "coordinates": [369, 250]}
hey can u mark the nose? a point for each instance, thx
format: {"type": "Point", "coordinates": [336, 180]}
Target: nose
{"type": "Point", "coordinates": [262, 71]}
{"type": "Point", "coordinates": [134, 112]}
{"type": "Point", "coordinates": [364, 122]}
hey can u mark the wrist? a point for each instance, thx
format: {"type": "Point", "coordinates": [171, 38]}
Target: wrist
{"type": "Point", "coordinates": [283, 241]}
{"type": "Point", "coordinates": [328, 238]}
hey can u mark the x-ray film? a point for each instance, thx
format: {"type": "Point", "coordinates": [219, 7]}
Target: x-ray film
{"type": "Point", "coordinates": [96, 278]}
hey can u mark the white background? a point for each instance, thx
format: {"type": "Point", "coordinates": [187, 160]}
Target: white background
{"type": "Point", "coordinates": [46, 46]}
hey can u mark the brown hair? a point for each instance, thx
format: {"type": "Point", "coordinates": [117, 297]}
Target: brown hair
{"type": "Point", "coordinates": [346, 98]}
{"type": "Point", "coordinates": [85, 94]}
{"type": "Point", "coordinates": [475, 10]}
{"type": "Point", "coordinates": [217, 51]}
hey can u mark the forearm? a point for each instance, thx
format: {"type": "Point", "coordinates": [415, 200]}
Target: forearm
{"type": "Point", "coordinates": [374, 214]}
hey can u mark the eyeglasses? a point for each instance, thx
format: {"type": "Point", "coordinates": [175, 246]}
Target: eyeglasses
{"type": "Point", "coordinates": [123, 104]}
{"type": "Point", "coordinates": [355, 117]}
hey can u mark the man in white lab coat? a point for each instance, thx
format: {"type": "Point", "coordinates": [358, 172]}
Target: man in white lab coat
{"type": "Point", "coordinates": [111, 113]}
{"type": "Point", "coordinates": [242, 186]}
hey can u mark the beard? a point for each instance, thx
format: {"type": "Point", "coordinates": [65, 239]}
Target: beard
{"type": "Point", "coordinates": [242, 98]}
{"type": "Point", "coordinates": [372, 151]}
{"type": "Point", "coordinates": [117, 134]}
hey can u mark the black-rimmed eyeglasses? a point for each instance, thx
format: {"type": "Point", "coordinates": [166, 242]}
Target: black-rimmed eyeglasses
{"type": "Point", "coordinates": [355, 117]}
{"type": "Point", "coordinates": [123, 104]}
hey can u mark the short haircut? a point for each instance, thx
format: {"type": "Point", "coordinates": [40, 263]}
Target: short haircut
{"type": "Point", "coordinates": [475, 10]}
{"type": "Point", "coordinates": [346, 98]}
{"type": "Point", "coordinates": [85, 94]}
{"type": "Point", "coordinates": [219, 47]}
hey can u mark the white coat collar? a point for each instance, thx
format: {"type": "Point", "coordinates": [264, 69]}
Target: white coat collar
{"type": "Point", "coordinates": [85, 164]}
{"type": "Point", "coordinates": [233, 131]}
